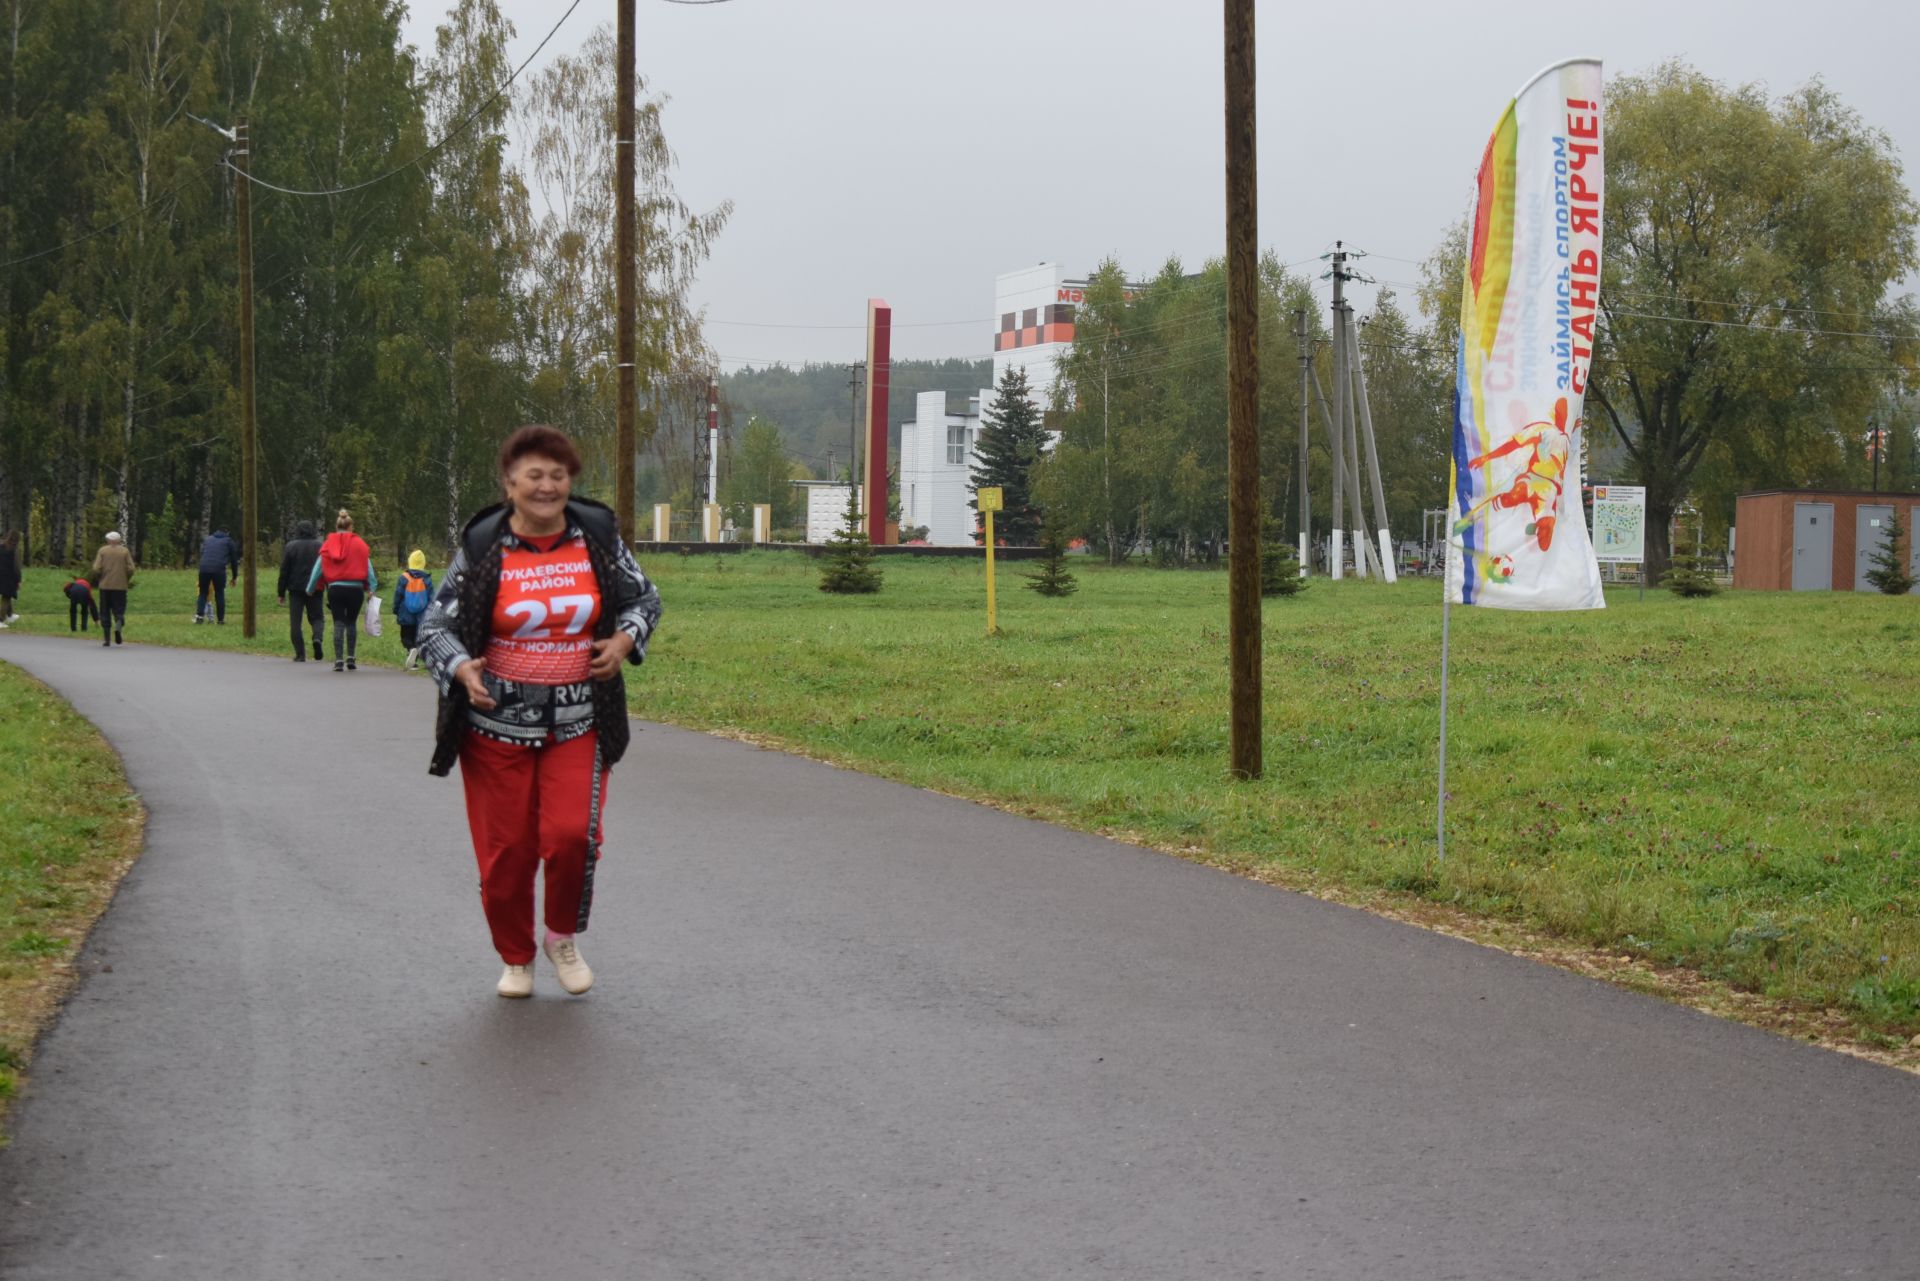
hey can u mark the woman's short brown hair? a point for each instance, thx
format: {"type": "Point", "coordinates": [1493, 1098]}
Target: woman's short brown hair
{"type": "Point", "coordinates": [544, 441]}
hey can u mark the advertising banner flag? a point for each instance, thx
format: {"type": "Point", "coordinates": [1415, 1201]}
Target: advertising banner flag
{"type": "Point", "coordinates": [1519, 539]}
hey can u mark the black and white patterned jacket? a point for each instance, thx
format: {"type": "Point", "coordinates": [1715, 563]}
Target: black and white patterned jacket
{"type": "Point", "coordinates": [459, 623]}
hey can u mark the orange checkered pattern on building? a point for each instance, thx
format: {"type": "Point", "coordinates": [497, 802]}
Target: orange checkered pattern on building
{"type": "Point", "coordinates": [1035, 327]}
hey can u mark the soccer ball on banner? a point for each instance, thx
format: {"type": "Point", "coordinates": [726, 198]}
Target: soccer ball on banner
{"type": "Point", "coordinates": [1500, 568]}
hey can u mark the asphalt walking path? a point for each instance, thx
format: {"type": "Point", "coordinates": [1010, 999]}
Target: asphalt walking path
{"type": "Point", "coordinates": [846, 1029]}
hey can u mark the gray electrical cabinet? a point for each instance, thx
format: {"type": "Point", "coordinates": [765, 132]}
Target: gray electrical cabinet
{"type": "Point", "coordinates": [1813, 547]}
{"type": "Point", "coordinates": [1872, 523]}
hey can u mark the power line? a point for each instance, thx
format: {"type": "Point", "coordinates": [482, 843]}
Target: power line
{"type": "Point", "coordinates": [916, 324]}
{"type": "Point", "coordinates": [1770, 329]}
{"type": "Point", "coordinates": [122, 221]}
{"type": "Point", "coordinates": [1707, 302]}
{"type": "Point", "coordinates": [1721, 324]}
{"type": "Point", "coordinates": [256, 180]}
{"type": "Point", "coordinates": [1616, 292]}
{"type": "Point", "coordinates": [451, 134]}
{"type": "Point", "coordinates": [1143, 358]}
{"type": "Point", "coordinates": [1221, 310]}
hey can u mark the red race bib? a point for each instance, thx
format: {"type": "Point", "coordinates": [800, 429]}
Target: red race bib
{"type": "Point", "coordinates": [543, 616]}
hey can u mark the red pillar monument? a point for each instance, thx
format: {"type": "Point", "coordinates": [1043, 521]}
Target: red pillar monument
{"type": "Point", "coordinates": [879, 374]}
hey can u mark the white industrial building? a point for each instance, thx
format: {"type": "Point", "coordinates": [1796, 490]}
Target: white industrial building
{"type": "Point", "coordinates": [1035, 308]}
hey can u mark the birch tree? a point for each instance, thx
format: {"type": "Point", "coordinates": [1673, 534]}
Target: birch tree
{"type": "Point", "coordinates": [566, 125]}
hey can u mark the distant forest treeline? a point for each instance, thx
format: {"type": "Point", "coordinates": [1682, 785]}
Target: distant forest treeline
{"type": "Point", "coordinates": [811, 404]}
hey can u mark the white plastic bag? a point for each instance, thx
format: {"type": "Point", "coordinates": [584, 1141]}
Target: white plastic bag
{"type": "Point", "coordinates": [373, 615]}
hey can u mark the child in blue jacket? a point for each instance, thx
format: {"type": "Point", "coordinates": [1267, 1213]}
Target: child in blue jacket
{"type": "Point", "coordinates": [411, 596]}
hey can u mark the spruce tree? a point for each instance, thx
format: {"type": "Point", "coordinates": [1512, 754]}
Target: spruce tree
{"type": "Point", "coordinates": [1012, 438]}
{"type": "Point", "coordinates": [1279, 565]}
{"type": "Point", "coordinates": [1888, 574]}
{"type": "Point", "coordinates": [850, 569]}
{"type": "Point", "coordinates": [1685, 577]}
{"type": "Point", "coordinates": [1053, 578]}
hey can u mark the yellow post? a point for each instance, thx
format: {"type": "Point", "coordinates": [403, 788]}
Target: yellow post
{"type": "Point", "coordinates": [992, 626]}
{"type": "Point", "coordinates": [988, 501]}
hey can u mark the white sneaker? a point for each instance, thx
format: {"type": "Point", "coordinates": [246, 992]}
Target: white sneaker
{"type": "Point", "coordinates": [413, 658]}
{"type": "Point", "coordinates": [573, 972]}
{"type": "Point", "coordinates": [516, 981]}
{"type": "Point", "coordinates": [13, 618]}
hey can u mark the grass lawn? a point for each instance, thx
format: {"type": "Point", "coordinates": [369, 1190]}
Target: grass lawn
{"type": "Point", "coordinates": [68, 828]}
{"type": "Point", "coordinates": [1726, 786]}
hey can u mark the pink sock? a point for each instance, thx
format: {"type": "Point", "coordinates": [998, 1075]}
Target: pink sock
{"type": "Point", "coordinates": [556, 938]}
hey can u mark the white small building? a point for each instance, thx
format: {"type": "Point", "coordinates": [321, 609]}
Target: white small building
{"type": "Point", "coordinates": [936, 460]}
{"type": "Point", "coordinates": [826, 508]}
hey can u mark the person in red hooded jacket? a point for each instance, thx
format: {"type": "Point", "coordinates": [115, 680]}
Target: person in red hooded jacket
{"type": "Point", "coordinates": [344, 571]}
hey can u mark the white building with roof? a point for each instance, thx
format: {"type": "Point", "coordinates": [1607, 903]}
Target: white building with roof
{"type": "Point", "coordinates": [936, 457]}
{"type": "Point", "coordinates": [1035, 309]}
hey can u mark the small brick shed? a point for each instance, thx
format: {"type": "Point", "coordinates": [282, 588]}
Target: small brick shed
{"type": "Point", "coordinates": [1816, 540]}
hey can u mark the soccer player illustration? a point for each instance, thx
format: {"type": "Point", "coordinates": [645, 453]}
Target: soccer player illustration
{"type": "Point", "coordinates": [1537, 485]}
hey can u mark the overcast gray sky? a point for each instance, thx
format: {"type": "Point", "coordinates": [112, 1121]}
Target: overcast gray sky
{"type": "Point", "coordinates": [912, 150]}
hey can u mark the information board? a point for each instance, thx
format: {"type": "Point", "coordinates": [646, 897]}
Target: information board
{"type": "Point", "coordinates": [1620, 523]}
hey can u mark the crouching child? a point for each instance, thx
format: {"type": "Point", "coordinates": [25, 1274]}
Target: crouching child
{"type": "Point", "coordinates": [80, 606]}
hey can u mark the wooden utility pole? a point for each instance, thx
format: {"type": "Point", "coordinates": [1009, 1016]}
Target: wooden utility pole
{"type": "Point", "coordinates": [249, 435]}
{"type": "Point", "coordinates": [1243, 399]}
{"type": "Point", "coordinates": [623, 248]}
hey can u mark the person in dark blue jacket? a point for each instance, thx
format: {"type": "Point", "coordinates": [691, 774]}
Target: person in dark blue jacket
{"type": "Point", "coordinates": [80, 607]}
{"type": "Point", "coordinates": [219, 558]}
{"type": "Point", "coordinates": [411, 596]}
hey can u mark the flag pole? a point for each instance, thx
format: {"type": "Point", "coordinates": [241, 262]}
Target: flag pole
{"type": "Point", "coordinates": [1446, 637]}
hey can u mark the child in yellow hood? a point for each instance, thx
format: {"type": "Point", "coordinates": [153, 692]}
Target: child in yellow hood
{"type": "Point", "coordinates": [412, 594]}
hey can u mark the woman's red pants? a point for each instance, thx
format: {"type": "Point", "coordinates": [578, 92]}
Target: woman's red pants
{"type": "Point", "coordinates": [527, 808]}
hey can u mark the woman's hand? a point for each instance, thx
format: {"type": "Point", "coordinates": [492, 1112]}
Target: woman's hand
{"type": "Point", "coordinates": [468, 674]}
{"type": "Point", "coordinates": [608, 654]}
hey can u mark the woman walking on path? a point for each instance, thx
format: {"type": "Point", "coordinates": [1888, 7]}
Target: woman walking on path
{"type": "Point", "coordinates": [9, 576]}
{"type": "Point", "coordinates": [411, 596]}
{"type": "Point", "coordinates": [344, 571]}
{"type": "Point", "coordinates": [541, 607]}
{"type": "Point", "coordinates": [114, 565]}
